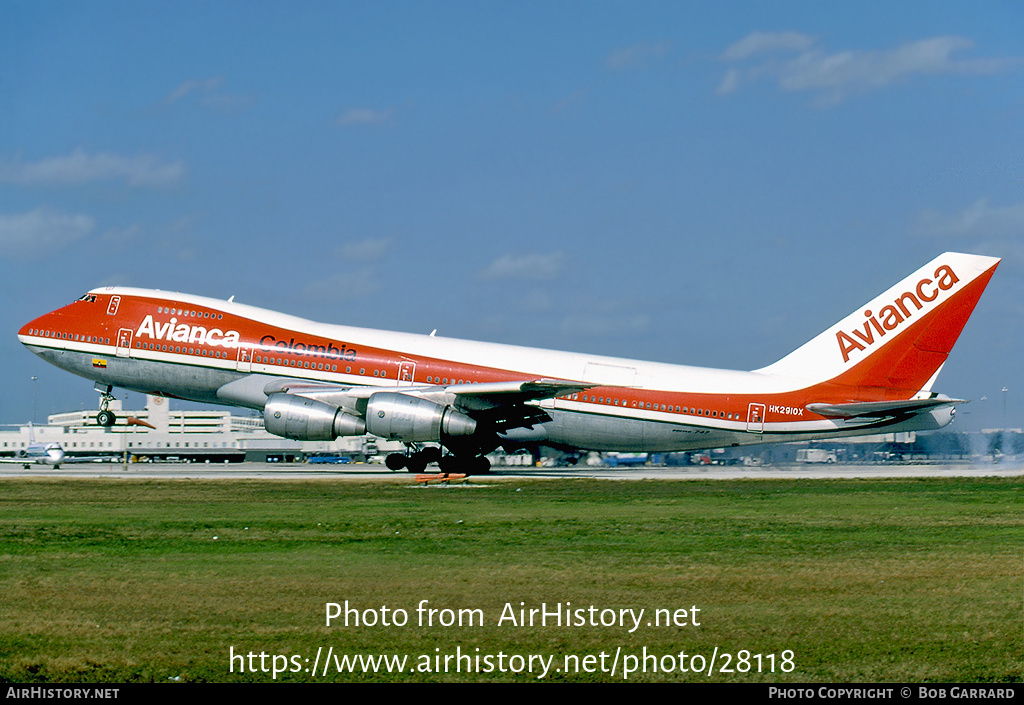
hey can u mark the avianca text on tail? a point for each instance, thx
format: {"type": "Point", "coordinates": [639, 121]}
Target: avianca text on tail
{"type": "Point", "coordinates": [452, 401]}
{"type": "Point", "coordinates": [896, 314]}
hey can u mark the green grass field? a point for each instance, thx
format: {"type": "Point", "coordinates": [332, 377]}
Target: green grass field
{"type": "Point", "coordinates": [884, 580]}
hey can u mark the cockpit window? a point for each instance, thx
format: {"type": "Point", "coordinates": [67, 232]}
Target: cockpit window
{"type": "Point", "coordinates": [90, 298]}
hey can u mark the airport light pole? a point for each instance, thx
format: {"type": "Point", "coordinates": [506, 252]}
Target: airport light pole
{"type": "Point", "coordinates": [34, 378]}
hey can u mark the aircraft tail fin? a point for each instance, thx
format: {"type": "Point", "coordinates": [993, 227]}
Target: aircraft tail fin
{"type": "Point", "coordinates": [899, 340]}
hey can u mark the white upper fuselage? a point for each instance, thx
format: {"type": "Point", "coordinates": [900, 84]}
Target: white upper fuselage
{"type": "Point", "coordinates": [533, 361]}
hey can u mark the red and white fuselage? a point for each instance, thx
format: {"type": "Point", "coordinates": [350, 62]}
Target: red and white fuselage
{"type": "Point", "coordinates": [872, 371]}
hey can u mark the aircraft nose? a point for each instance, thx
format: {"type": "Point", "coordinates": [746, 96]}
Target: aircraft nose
{"type": "Point", "coordinates": [27, 330]}
{"type": "Point", "coordinates": [34, 329]}
{"type": "Point", "coordinates": [49, 325]}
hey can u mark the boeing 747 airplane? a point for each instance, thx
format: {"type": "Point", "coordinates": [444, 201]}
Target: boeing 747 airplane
{"type": "Point", "coordinates": [871, 372]}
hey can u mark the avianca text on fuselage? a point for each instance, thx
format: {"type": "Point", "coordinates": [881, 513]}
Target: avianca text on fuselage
{"type": "Point", "coordinates": [897, 313]}
{"type": "Point", "coordinates": [175, 332]}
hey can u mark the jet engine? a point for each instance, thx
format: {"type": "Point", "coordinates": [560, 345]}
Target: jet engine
{"type": "Point", "coordinates": [400, 417]}
{"type": "Point", "coordinates": [305, 419]}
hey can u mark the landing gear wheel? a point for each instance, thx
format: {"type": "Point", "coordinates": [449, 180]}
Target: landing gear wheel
{"type": "Point", "coordinates": [479, 465]}
{"type": "Point", "coordinates": [105, 418]}
{"type": "Point", "coordinates": [415, 463]}
{"type": "Point", "coordinates": [395, 461]}
{"type": "Point", "coordinates": [430, 455]}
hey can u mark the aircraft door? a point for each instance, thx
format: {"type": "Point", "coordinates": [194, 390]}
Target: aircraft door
{"type": "Point", "coordinates": [124, 342]}
{"type": "Point", "coordinates": [406, 373]}
{"type": "Point", "coordinates": [244, 358]}
{"type": "Point", "coordinates": [755, 418]}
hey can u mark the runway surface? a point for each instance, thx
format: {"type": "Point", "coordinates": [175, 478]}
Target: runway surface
{"type": "Point", "coordinates": [372, 473]}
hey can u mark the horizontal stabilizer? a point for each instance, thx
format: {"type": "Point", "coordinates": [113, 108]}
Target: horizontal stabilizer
{"type": "Point", "coordinates": [879, 409]}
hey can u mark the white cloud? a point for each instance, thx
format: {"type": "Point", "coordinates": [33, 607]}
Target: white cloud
{"type": "Point", "coordinates": [368, 250]}
{"type": "Point", "coordinates": [570, 102]}
{"type": "Point", "coordinates": [208, 93]}
{"type": "Point", "coordinates": [762, 42]}
{"type": "Point", "coordinates": [535, 267]}
{"type": "Point", "coordinates": [836, 75]}
{"type": "Point", "coordinates": [344, 285]}
{"type": "Point", "coordinates": [205, 86]}
{"type": "Point", "coordinates": [730, 82]}
{"type": "Point", "coordinates": [80, 167]}
{"type": "Point", "coordinates": [41, 233]}
{"type": "Point", "coordinates": [979, 220]}
{"type": "Point", "coordinates": [364, 116]}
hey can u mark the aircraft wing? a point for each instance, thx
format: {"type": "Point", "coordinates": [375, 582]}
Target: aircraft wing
{"type": "Point", "coordinates": [880, 409]}
{"type": "Point", "coordinates": [501, 405]}
{"type": "Point", "coordinates": [494, 394]}
{"type": "Point", "coordinates": [469, 396]}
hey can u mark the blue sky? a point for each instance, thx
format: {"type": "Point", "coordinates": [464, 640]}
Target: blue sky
{"type": "Point", "coordinates": [708, 184]}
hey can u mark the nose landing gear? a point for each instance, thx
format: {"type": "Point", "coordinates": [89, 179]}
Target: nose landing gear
{"type": "Point", "coordinates": [105, 418]}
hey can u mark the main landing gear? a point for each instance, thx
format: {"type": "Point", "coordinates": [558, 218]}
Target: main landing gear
{"type": "Point", "coordinates": [418, 461]}
{"type": "Point", "coordinates": [105, 418]}
{"type": "Point", "coordinates": [413, 462]}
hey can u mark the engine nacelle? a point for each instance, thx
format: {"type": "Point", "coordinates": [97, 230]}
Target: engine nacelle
{"type": "Point", "coordinates": [305, 419]}
{"type": "Point", "coordinates": [400, 417]}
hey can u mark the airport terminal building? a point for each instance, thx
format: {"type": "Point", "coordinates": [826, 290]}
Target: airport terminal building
{"type": "Point", "coordinates": [159, 433]}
